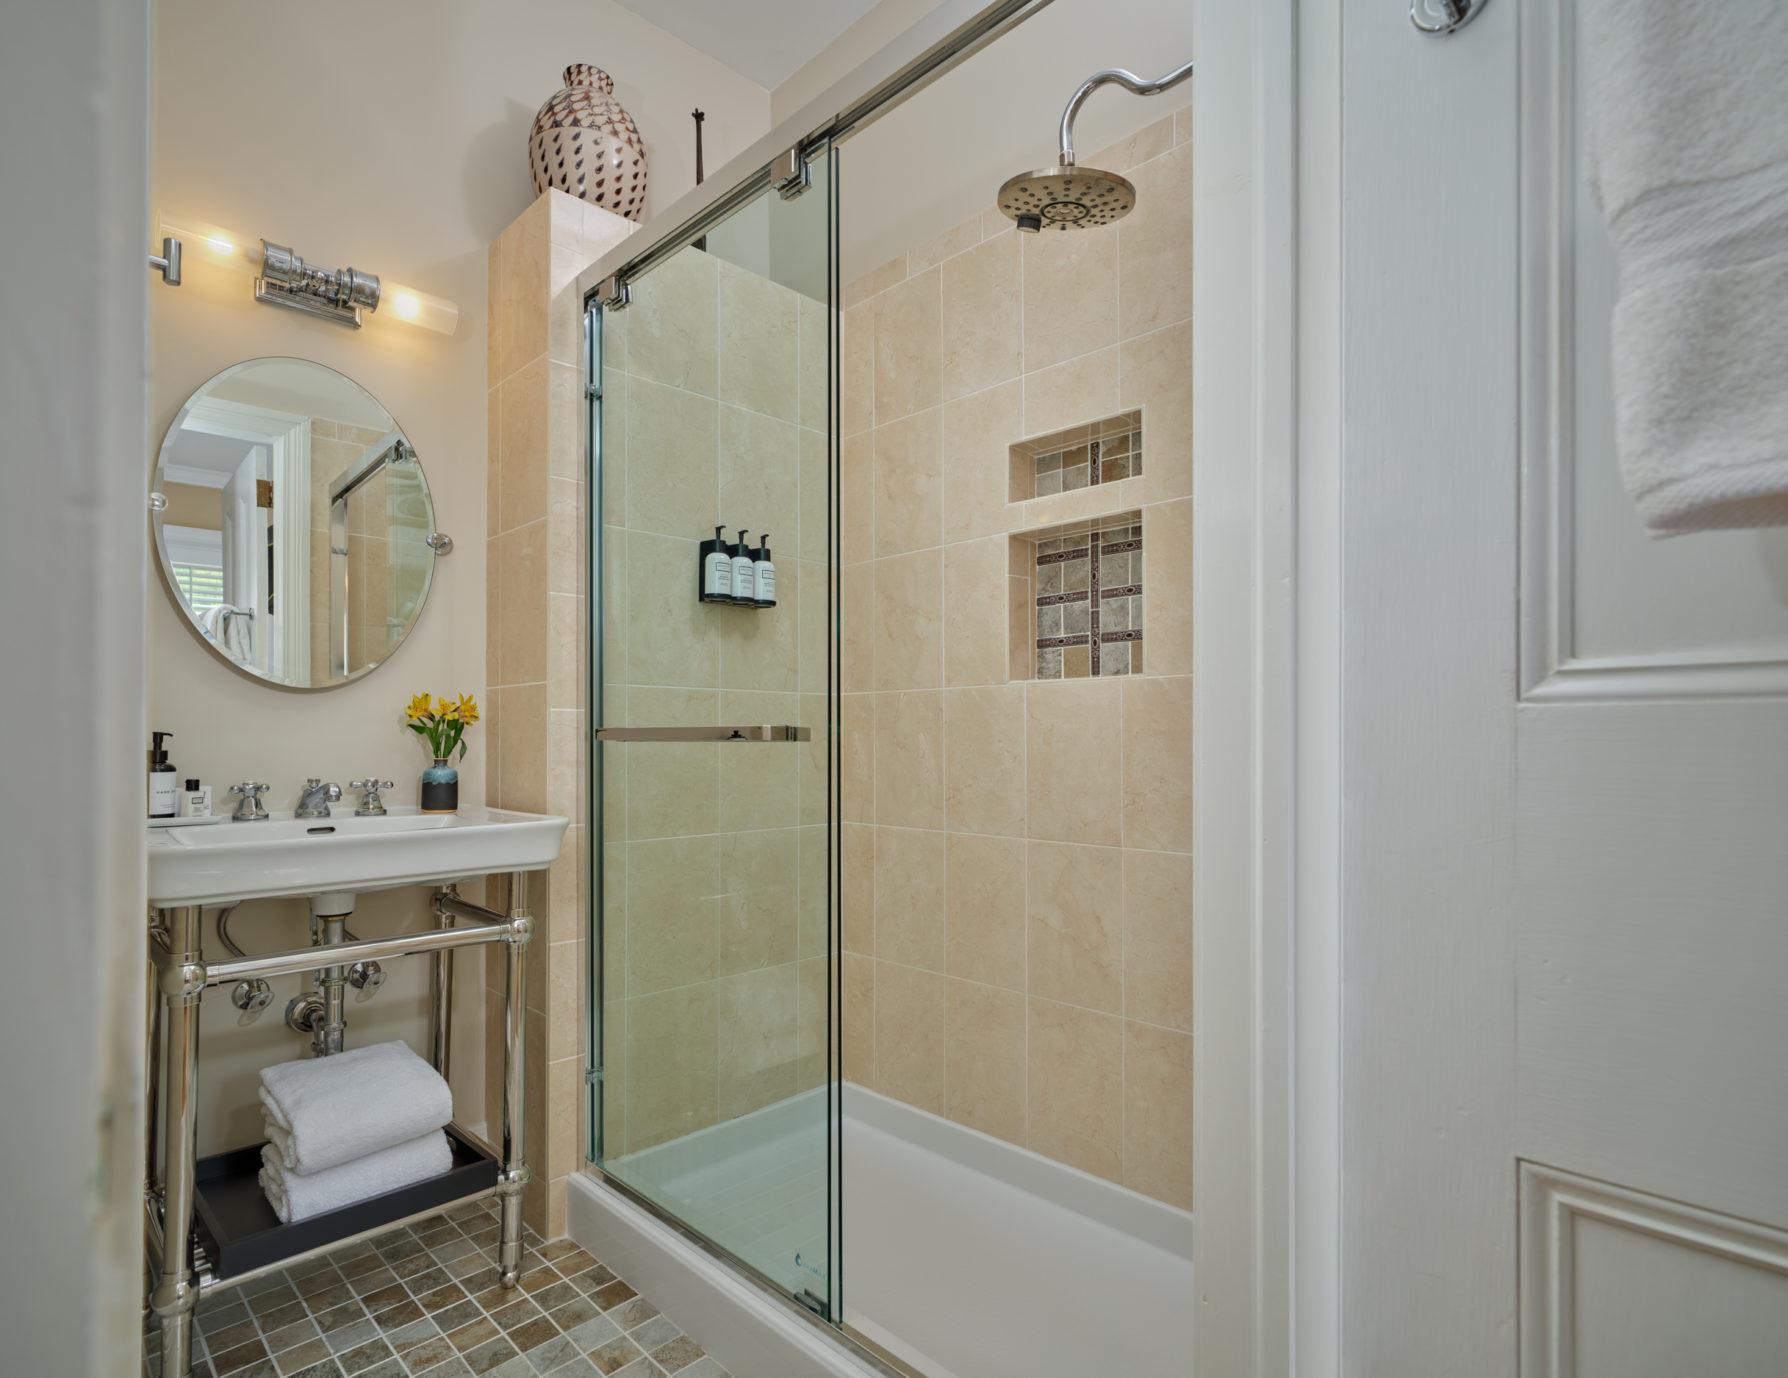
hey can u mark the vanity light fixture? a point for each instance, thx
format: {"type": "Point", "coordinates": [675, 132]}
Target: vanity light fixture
{"type": "Point", "coordinates": [282, 278]}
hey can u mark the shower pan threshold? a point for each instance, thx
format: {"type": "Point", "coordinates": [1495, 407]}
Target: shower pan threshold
{"type": "Point", "coordinates": [965, 1256]}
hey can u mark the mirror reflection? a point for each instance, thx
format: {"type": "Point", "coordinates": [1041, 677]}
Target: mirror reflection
{"type": "Point", "coordinates": [294, 523]}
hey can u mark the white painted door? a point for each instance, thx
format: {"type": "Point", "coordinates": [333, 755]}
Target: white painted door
{"type": "Point", "coordinates": [1564, 777]}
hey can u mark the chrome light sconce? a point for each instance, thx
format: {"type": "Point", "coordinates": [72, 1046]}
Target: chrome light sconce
{"type": "Point", "coordinates": [282, 278]}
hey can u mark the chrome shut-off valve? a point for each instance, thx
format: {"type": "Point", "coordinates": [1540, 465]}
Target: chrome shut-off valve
{"type": "Point", "coordinates": [252, 998]}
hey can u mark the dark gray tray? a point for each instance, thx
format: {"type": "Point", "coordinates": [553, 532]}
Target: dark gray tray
{"type": "Point", "coordinates": [242, 1233]}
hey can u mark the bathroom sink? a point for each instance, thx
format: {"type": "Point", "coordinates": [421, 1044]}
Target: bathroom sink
{"type": "Point", "coordinates": [306, 856]}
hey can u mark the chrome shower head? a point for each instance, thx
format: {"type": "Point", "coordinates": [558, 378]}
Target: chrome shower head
{"type": "Point", "coordinates": [1067, 197]}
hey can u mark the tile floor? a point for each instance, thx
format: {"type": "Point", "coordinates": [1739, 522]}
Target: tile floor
{"type": "Point", "coordinates": [425, 1301]}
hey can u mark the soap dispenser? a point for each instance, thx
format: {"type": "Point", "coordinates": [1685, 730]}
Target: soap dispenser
{"type": "Point", "coordinates": [195, 800]}
{"type": "Point", "coordinates": [164, 792]}
{"type": "Point", "coordinates": [765, 571]}
{"type": "Point", "coordinates": [715, 577]}
{"type": "Point", "coordinates": [744, 573]}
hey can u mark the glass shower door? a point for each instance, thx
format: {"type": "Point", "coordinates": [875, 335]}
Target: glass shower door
{"type": "Point", "coordinates": [713, 972]}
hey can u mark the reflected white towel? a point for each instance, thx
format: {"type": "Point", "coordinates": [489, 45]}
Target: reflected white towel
{"type": "Point", "coordinates": [299, 1195]}
{"type": "Point", "coordinates": [323, 1112]}
{"type": "Point", "coordinates": [230, 627]}
{"type": "Point", "coordinates": [1689, 162]}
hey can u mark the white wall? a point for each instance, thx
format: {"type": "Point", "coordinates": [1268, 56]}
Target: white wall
{"type": "Point", "coordinates": [72, 536]}
{"type": "Point", "coordinates": [392, 137]}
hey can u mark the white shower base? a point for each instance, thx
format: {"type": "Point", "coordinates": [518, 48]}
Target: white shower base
{"type": "Point", "coordinates": [965, 1256]}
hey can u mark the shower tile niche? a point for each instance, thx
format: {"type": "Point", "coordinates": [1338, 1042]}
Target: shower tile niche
{"type": "Point", "coordinates": [1080, 612]}
{"type": "Point", "coordinates": [1085, 456]}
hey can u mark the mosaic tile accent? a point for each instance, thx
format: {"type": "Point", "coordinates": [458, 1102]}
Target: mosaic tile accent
{"type": "Point", "coordinates": [425, 1300]}
{"type": "Point", "coordinates": [1089, 602]}
{"type": "Point", "coordinates": [1080, 457]}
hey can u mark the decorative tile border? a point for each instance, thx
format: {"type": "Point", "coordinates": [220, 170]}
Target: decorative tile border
{"type": "Point", "coordinates": [1079, 457]}
{"type": "Point", "coordinates": [1088, 611]}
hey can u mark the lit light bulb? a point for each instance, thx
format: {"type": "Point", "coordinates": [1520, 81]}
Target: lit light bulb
{"type": "Point", "coordinates": [214, 244]}
{"type": "Point", "coordinates": [414, 307]}
{"type": "Point", "coordinates": [220, 245]}
{"type": "Point", "coordinates": [405, 306]}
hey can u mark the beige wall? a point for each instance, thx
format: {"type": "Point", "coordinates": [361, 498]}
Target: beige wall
{"type": "Point", "coordinates": [1017, 870]}
{"type": "Point", "coordinates": [411, 165]}
{"type": "Point", "coordinates": [715, 919]}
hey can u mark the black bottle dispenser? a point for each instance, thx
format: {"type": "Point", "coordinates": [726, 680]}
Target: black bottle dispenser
{"type": "Point", "coordinates": [164, 790]}
{"type": "Point", "coordinates": [714, 575]}
{"type": "Point", "coordinates": [765, 570]}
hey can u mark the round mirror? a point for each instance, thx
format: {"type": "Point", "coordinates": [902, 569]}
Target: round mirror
{"type": "Point", "coordinates": [293, 523]}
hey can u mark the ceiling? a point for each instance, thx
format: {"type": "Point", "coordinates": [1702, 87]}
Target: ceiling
{"type": "Point", "coordinates": [765, 42]}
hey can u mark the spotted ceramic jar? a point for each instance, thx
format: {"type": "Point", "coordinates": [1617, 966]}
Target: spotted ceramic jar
{"type": "Point", "coordinates": [585, 144]}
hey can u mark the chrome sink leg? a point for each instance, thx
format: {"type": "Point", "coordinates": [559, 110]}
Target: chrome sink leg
{"type": "Point", "coordinates": [182, 984]}
{"type": "Point", "coordinates": [327, 1039]}
{"type": "Point", "coordinates": [514, 1176]}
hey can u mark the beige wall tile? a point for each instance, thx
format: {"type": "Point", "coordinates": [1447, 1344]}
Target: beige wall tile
{"type": "Point", "coordinates": [909, 897]}
{"type": "Point", "coordinates": [519, 312]}
{"type": "Point", "coordinates": [983, 316]}
{"type": "Point", "coordinates": [814, 937]}
{"type": "Point", "coordinates": [1074, 1094]}
{"type": "Point", "coordinates": [977, 646]}
{"type": "Point", "coordinates": [674, 882]}
{"type": "Point", "coordinates": [909, 505]}
{"type": "Point", "coordinates": [759, 1011]}
{"type": "Point", "coordinates": [856, 898]}
{"type": "Point", "coordinates": [856, 498]}
{"type": "Point", "coordinates": [984, 1040]}
{"type": "Point", "coordinates": [565, 1103]}
{"type": "Point", "coordinates": [1070, 296]}
{"type": "Point", "coordinates": [673, 788]}
{"type": "Point", "coordinates": [1158, 1113]}
{"type": "Point", "coordinates": [862, 288]}
{"type": "Point", "coordinates": [758, 648]}
{"type": "Point", "coordinates": [1182, 125]}
{"type": "Point", "coordinates": [1158, 763]}
{"type": "Point", "coordinates": [760, 478]}
{"type": "Point", "coordinates": [1155, 244]}
{"type": "Point", "coordinates": [567, 569]}
{"type": "Point", "coordinates": [1167, 622]}
{"type": "Point", "coordinates": [984, 790]}
{"type": "Point", "coordinates": [907, 348]}
{"type": "Point", "coordinates": [612, 1115]}
{"type": "Point", "coordinates": [1076, 924]}
{"type": "Point", "coordinates": [856, 366]}
{"type": "Point", "coordinates": [812, 1023]}
{"type": "Point", "coordinates": [856, 731]}
{"type": "Point", "coordinates": [564, 764]}
{"type": "Point", "coordinates": [759, 789]}
{"type": "Point", "coordinates": [759, 904]}
{"type": "Point", "coordinates": [522, 472]}
{"type": "Point", "coordinates": [856, 631]}
{"type": "Point", "coordinates": [565, 432]}
{"type": "Point", "coordinates": [1083, 389]}
{"type": "Point", "coordinates": [565, 668]}
{"type": "Point", "coordinates": [909, 621]}
{"type": "Point", "coordinates": [671, 638]}
{"type": "Point", "coordinates": [521, 768]}
{"type": "Point", "coordinates": [673, 325]}
{"type": "Point", "coordinates": [856, 1036]}
{"type": "Point", "coordinates": [673, 441]}
{"type": "Point", "coordinates": [816, 520]}
{"type": "Point", "coordinates": [909, 1035]}
{"type": "Point", "coordinates": [978, 431]}
{"type": "Point", "coordinates": [1148, 142]}
{"type": "Point", "coordinates": [909, 760]}
{"type": "Point", "coordinates": [813, 629]}
{"type": "Point", "coordinates": [814, 372]}
{"type": "Point", "coordinates": [759, 343]}
{"type": "Point", "coordinates": [672, 1041]}
{"type": "Point", "coordinates": [1158, 378]}
{"type": "Point", "coordinates": [1158, 938]}
{"type": "Point", "coordinates": [1074, 761]}
{"type": "Point", "coordinates": [497, 326]}
{"type": "Point", "coordinates": [984, 886]}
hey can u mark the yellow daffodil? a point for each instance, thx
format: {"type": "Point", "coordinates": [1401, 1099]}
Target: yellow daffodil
{"type": "Point", "coordinates": [418, 708]}
{"type": "Point", "coordinates": [466, 710]}
{"type": "Point", "coordinates": [443, 708]}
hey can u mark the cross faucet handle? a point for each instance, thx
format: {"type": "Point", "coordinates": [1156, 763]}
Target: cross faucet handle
{"type": "Point", "coordinates": [251, 809]}
{"type": "Point", "coordinates": [371, 806]}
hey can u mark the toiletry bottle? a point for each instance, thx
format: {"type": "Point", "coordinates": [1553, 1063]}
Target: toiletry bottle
{"type": "Point", "coordinates": [765, 570]}
{"type": "Point", "coordinates": [195, 800]}
{"type": "Point", "coordinates": [744, 577]}
{"type": "Point", "coordinates": [163, 787]}
{"type": "Point", "coordinates": [716, 573]}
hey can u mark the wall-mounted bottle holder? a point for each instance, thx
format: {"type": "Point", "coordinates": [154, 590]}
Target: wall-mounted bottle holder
{"type": "Point", "coordinates": [736, 573]}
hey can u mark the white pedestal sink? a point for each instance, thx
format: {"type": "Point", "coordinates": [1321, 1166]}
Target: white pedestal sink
{"type": "Point", "coordinates": [306, 856]}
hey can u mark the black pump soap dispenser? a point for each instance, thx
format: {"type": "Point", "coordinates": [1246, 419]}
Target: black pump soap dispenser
{"type": "Point", "coordinates": [714, 576]}
{"type": "Point", "coordinates": [744, 572]}
{"type": "Point", "coordinates": [765, 570]}
{"type": "Point", "coordinates": [164, 793]}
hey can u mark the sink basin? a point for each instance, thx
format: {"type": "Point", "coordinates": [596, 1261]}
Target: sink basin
{"type": "Point", "coordinates": [308, 856]}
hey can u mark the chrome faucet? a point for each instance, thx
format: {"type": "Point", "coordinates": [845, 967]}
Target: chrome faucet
{"type": "Point", "coordinates": [316, 798]}
{"type": "Point", "coordinates": [371, 806]}
{"type": "Point", "coordinates": [251, 809]}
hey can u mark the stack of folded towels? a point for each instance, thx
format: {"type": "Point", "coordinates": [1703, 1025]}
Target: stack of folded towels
{"type": "Point", "coordinates": [341, 1129]}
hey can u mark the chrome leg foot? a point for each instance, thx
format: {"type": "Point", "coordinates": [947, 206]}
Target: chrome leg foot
{"type": "Point", "coordinates": [175, 1302]}
{"type": "Point", "coordinates": [509, 1251]}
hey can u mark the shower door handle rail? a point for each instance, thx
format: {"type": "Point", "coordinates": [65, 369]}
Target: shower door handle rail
{"type": "Point", "coordinates": [765, 732]}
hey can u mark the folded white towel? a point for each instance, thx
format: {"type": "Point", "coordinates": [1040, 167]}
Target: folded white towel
{"type": "Point", "coordinates": [299, 1195]}
{"type": "Point", "coordinates": [1689, 162]}
{"type": "Point", "coordinates": [323, 1112]}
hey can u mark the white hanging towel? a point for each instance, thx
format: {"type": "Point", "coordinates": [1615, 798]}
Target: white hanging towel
{"type": "Point", "coordinates": [299, 1195]}
{"type": "Point", "coordinates": [325, 1111]}
{"type": "Point", "coordinates": [1687, 106]}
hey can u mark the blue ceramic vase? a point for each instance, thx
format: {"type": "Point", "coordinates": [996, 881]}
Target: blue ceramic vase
{"type": "Point", "coordinates": [440, 788]}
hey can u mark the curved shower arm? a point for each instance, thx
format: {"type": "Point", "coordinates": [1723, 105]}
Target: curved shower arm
{"type": "Point", "coordinates": [1129, 81]}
